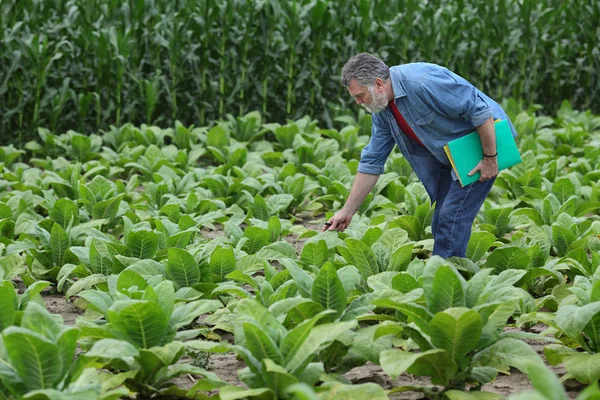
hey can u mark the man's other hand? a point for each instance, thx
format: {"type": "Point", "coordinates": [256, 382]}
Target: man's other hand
{"type": "Point", "coordinates": [488, 168]}
{"type": "Point", "coordinates": [339, 222]}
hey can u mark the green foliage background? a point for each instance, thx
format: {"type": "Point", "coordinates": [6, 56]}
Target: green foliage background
{"type": "Point", "coordinates": [89, 64]}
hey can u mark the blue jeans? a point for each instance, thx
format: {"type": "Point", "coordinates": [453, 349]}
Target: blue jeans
{"type": "Point", "coordinates": [455, 206]}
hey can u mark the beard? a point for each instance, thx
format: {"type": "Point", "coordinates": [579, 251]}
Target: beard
{"type": "Point", "coordinates": [378, 101]}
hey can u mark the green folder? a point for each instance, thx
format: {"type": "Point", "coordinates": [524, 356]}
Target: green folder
{"type": "Point", "coordinates": [466, 152]}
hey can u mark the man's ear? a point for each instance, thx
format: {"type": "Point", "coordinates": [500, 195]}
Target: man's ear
{"type": "Point", "coordinates": [379, 83]}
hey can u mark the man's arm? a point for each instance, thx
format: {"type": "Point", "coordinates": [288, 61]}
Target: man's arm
{"type": "Point", "coordinates": [363, 184]}
{"type": "Point", "coordinates": [488, 167]}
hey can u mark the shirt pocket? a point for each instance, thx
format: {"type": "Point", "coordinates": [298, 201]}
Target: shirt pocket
{"type": "Point", "coordinates": [425, 116]}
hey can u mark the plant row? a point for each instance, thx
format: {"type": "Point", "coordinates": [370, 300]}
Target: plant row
{"type": "Point", "coordinates": [174, 240]}
{"type": "Point", "coordinates": [81, 65]}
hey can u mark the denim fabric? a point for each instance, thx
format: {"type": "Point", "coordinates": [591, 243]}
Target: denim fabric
{"type": "Point", "coordinates": [455, 207]}
{"type": "Point", "coordinates": [439, 106]}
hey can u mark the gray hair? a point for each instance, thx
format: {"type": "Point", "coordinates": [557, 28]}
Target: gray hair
{"type": "Point", "coordinates": [365, 68]}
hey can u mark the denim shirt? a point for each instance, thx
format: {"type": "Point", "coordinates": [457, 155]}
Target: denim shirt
{"type": "Point", "coordinates": [438, 105]}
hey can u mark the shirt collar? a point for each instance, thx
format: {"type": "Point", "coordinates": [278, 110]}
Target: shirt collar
{"type": "Point", "coordinates": [396, 85]}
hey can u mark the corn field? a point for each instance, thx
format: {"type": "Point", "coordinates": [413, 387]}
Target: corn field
{"type": "Point", "coordinates": [87, 65]}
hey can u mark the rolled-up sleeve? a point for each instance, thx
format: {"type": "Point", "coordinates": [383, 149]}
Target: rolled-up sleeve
{"type": "Point", "coordinates": [453, 96]}
{"type": "Point", "coordinates": [376, 152]}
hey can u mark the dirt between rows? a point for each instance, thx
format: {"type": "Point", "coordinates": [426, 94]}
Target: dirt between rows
{"type": "Point", "coordinates": [226, 366]}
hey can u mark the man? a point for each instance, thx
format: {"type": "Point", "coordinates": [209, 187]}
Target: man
{"type": "Point", "coordinates": [420, 107]}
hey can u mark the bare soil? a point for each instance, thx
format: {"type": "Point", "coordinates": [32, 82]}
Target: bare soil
{"type": "Point", "coordinates": [57, 304]}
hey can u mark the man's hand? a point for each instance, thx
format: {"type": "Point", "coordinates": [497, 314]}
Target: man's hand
{"type": "Point", "coordinates": [339, 222]}
{"type": "Point", "coordinates": [488, 168]}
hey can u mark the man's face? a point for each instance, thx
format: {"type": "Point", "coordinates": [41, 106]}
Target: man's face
{"type": "Point", "coordinates": [371, 98]}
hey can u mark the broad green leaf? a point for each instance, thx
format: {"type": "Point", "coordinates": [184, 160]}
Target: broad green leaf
{"type": "Point", "coordinates": [294, 339]}
{"type": "Point", "coordinates": [217, 137]}
{"type": "Point", "coordinates": [584, 367]}
{"type": "Point", "coordinates": [456, 330]}
{"type": "Point", "coordinates": [381, 281]}
{"type": "Point", "coordinates": [475, 287]}
{"type": "Point", "coordinates": [8, 304]}
{"type": "Point", "coordinates": [530, 213]}
{"type": "Point", "coordinates": [242, 277]}
{"type": "Point", "coordinates": [371, 235]}
{"type": "Point", "coordinates": [35, 358]}
{"type": "Point", "coordinates": [252, 311]}
{"type": "Point", "coordinates": [363, 257]}
{"type": "Point", "coordinates": [185, 314]}
{"type": "Point", "coordinates": [562, 238]}
{"type": "Point", "coordinates": [499, 218]}
{"type": "Point", "coordinates": [128, 279]}
{"type": "Point", "coordinates": [349, 276]}
{"type": "Point", "coordinates": [101, 261]}
{"type": "Point", "coordinates": [140, 322]}
{"type": "Point", "coordinates": [235, 393]}
{"type": "Point", "coordinates": [573, 319]}
{"type": "Point", "coordinates": [67, 344]}
{"type": "Point", "coordinates": [556, 353]}
{"type": "Point", "coordinates": [182, 268]}
{"type": "Point", "coordinates": [107, 209]}
{"type": "Point", "coordinates": [277, 251]}
{"type": "Point", "coordinates": [59, 243]}
{"type": "Point", "coordinates": [276, 377]}
{"type": "Point", "coordinates": [404, 303]}
{"type": "Point", "coordinates": [142, 244]}
{"type": "Point", "coordinates": [339, 391]}
{"type": "Point", "coordinates": [259, 344]}
{"type": "Point", "coordinates": [257, 239]}
{"type": "Point", "coordinates": [152, 360]}
{"type": "Point", "coordinates": [435, 363]}
{"type": "Point", "coordinates": [301, 278]}
{"type": "Point", "coordinates": [508, 257]}
{"type": "Point", "coordinates": [447, 290]}
{"type": "Point", "coordinates": [472, 395]}
{"type": "Point", "coordinates": [85, 283]}
{"type": "Point", "coordinates": [180, 239]}
{"type": "Point", "coordinates": [171, 211]}
{"type": "Point", "coordinates": [401, 257]}
{"type": "Point", "coordinates": [495, 319]}
{"type": "Point", "coordinates": [165, 296]}
{"type": "Point", "coordinates": [32, 291]}
{"type": "Point", "coordinates": [404, 282]}
{"type": "Point", "coordinates": [64, 212]}
{"type": "Point", "coordinates": [327, 290]}
{"type": "Point", "coordinates": [315, 253]}
{"type": "Point", "coordinates": [411, 225]}
{"type": "Point", "coordinates": [319, 336]}
{"type": "Point", "coordinates": [479, 244]}
{"type": "Point", "coordinates": [259, 208]}
{"type": "Point", "coordinates": [112, 349]}
{"type": "Point", "coordinates": [563, 188]}
{"type": "Point", "coordinates": [11, 266]}
{"type": "Point", "coordinates": [301, 391]}
{"type": "Point", "coordinates": [537, 256]}
{"type": "Point", "coordinates": [98, 300]}
{"type": "Point", "coordinates": [146, 268]}
{"type": "Point", "coordinates": [506, 353]}
{"type": "Point", "coordinates": [393, 238]}
{"type": "Point", "coordinates": [279, 202]}
{"type": "Point", "coordinates": [549, 207]}
{"type": "Point", "coordinates": [222, 262]}
{"type": "Point", "coordinates": [81, 146]}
